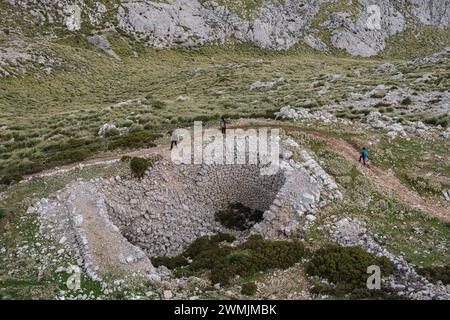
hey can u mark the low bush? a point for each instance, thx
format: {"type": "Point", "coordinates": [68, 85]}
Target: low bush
{"type": "Point", "coordinates": [69, 156]}
{"type": "Point", "coordinates": [9, 178]}
{"type": "Point", "coordinates": [238, 216]}
{"type": "Point", "coordinates": [443, 121]}
{"type": "Point", "coordinates": [407, 101]}
{"type": "Point", "coordinates": [423, 184]}
{"type": "Point", "coordinates": [138, 167]}
{"type": "Point", "coordinates": [211, 253]}
{"type": "Point", "coordinates": [170, 262]}
{"type": "Point", "coordinates": [345, 267]}
{"type": "Point", "coordinates": [2, 213]}
{"type": "Point", "coordinates": [273, 254]}
{"type": "Point", "coordinates": [112, 133]}
{"type": "Point", "coordinates": [207, 243]}
{"type": "Point", "coordinates": [435, 274]}
{"type": "Point", "coordinates": [249, 289]}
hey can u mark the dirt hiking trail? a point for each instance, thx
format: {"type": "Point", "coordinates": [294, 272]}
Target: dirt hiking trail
{"type": "Point", "coordinates": [385, 180]}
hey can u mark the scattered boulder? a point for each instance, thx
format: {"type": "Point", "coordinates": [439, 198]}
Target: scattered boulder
{"type": "Point", "coordinates": [388, 68]}
{"type": "Point", "coordinates": [258, 85]}
{"type": "Point", "coordinates": [103, 44]}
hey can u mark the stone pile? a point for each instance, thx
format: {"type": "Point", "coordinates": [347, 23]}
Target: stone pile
{"type": "Point", "coordinates": [258, 85]}
{"type": "Point", "coordinates": [302, 113]}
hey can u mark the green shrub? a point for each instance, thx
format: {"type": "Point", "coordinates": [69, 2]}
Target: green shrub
{"type": "Point", "coordinates": [435, 274]}
{"type": "Point", "coordinates": [213, 254]}
{"type": "Point", "coordinates": [346, 267]}
{"type": "Point", "coordinates": [170, 262]}
{"type": "Point", "coordinates": [238, 216]}
{"type": "Point", "coordinates": [378, 95]}
{"type": "Point", "coordinates": [423, 184]}
{"type": "Point", "coordinates": [112, 133]}
{"type": "Point", "coordinates": [249, 289]}
{"type": "Point", "coordinates": [136, 139]}
{"type": "Point", "coordinates": [125, 159]}
{"type": "Point", "coordinates": [443, 121]}
{"type": "Point", "coordinates": [407, 101]}
{"type": "Point", "coordinates": [2, 213]}
{"type": "Point", "coordinates": [273, 254]}
{"type": "Point", "coordinates": [206, 243]}
{"type": "Point", "coordinates": [138, 167]}
{"type": "Point", "coordinates": [10, 178]}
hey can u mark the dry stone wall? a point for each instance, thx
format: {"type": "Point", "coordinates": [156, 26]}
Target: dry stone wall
{"type": "Point", "coordinates": [120, 223]}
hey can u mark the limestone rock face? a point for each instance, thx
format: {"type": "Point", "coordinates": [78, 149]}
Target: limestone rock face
{"type": "Point", "coordinates": [360, 27]}
{"type": "Point", "coordinates": [365, 36]}
{"type": "Point", "coordinates": [430, 12]}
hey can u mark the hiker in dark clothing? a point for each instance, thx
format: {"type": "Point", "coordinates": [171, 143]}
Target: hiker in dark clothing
{"type": "Point", "coordinates": [223, 125]}
{"type": "Point", "coordinates": [364, 156]}
{"type": "Point", "coordinates": [174, 140]}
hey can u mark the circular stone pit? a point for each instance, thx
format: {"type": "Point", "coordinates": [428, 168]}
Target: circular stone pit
{"type": "Point", "coordinates": [117, 224]}
{"type": "Point", "coordinates": [175, 204]}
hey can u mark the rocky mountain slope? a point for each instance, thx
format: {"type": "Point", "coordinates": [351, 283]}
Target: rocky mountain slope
{"type": "Point", "coordinates": [360, 27]}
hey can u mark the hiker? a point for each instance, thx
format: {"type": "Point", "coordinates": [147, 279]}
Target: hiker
{"type": "Point", "coordinates": [223, 125]}
{"type": "Point", "coordinates": [364, 156]}
{"type": "Point", "coordinates": [174, 140]}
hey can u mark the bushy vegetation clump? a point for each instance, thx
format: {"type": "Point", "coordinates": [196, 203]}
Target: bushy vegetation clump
{"type": "Point", "coordinates": [423, 184]}
{"type": "Point", "coordinates": [238, 216]}
{"type": "Point", "coordinates": [170, 262]}
{"type": "Point", "coordinates": [442, 121]}
{"type": "Point", "coordinates": [345, 267]}
{"type": "Point", "coordinates": [407, 101]}
{"type": "Point", "coordinates": [435, 274]}
{"type": "Point", "coordinates": [9, 178]}
{"type": "Point", "coordinates": [378, 94]}
{"type": "Point", "coordinates": [222, 262]}
{"type": "Point", "coordinates": [138, 167]}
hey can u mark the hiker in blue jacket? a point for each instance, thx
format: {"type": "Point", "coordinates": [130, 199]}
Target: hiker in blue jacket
{"type": "Point", "coordinates": [364, 156]}
{"type": "Point", "coordinates": [223, 125]}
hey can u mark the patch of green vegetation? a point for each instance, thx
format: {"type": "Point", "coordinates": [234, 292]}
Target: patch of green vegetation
{"type": "Point", "coordinates": [326, 9]}
{"type": "Point", "coordinates": [249, 289]}
{"type": "Point", "coordinates": [435, 274]}
{"type": "Point", "coordinates": [138, 166]}
{"type": "Point", "coordinates": [378, 95]}
{"type": "Point", "coordinates": [424, 185]}
{"type": "Point", "coordinates": [443, 121]}
{"type": "Point", "coordinates": [238, 216]}
{"type": "Point", "coordinates": [243, 8]}
{"type": "Point", "coordinates": [22, 229]}
{"type": "Point", "coordinates": [345, 267]}
{"type": "Point", "coordinates": [334, 163]}
{"type": "Point", "coordinates": [170, 262]}
{"type": "Point", "coordinates": [416, 41]}
{"type": "Point", "coordinates": [120, 45]}
{"type": "Point", "coordinates": [223, 262]}
{"type": "Point", "coordinates": [407, 101]}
